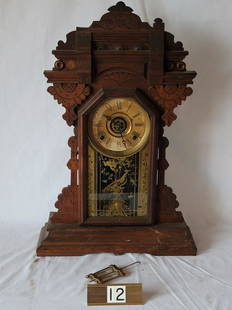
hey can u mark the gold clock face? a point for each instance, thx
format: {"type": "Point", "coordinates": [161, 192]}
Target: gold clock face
{"type": "Point", "coordinates": [119, 127]}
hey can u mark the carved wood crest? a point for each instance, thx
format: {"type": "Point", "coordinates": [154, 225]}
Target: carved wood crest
{"type": "Point", "coordinates": [119, 18]}
{"type": "Point", "coordinates": [70, 95]}
{"type": "Point", "coordinates": [169, 97]}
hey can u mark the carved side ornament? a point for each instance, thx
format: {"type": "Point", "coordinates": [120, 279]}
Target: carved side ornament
{"type": "Point", "coordinates": [167, 199]}
{"type": "Point", "coordinates": [169, 97]}
{"type": "Point", "coordinates": [70, 95]}
{"type": "Point", "coordinates": [67, 203]}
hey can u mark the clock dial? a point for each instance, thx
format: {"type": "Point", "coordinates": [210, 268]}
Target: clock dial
{"type": "Point", "coordinates": [119, 127]}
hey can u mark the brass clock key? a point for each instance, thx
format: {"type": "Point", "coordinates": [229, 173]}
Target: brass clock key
{"type": "Point", "coordinates": [109, 273]}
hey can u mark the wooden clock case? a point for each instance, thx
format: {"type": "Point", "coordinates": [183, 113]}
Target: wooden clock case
{"type": "Point", "coordinates": [118, 56]}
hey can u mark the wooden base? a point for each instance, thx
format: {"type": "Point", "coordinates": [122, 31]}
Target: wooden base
{"type": "Point", "coordinates": [74, 240]}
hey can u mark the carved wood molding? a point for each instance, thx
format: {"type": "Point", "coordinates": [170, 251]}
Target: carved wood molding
{"type": "Point", "coordinates": [119, 77]}
{"type": "Point", "coordinates": [169, 97]}
{"type": "Point", "coordinates": [70, 95]}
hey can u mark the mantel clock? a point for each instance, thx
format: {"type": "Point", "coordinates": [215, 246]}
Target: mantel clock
{"type": "Point", "coordinates": [119, 81]}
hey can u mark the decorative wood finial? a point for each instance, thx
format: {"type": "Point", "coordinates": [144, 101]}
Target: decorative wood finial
{"type": "Point", "coordinates": [120, 7]}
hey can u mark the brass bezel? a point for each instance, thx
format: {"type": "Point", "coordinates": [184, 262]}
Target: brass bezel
{"type": "Point", "coordinates": [130, 151]}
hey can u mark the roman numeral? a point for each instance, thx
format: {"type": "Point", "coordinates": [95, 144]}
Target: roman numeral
{"type": "Point", "coordinates": [108, 141]}
{"type": "Point", "coordinates": [119, 105]}
{"type": "Point", "coordinates": [97, 125]}
{"type": "Point", "coordinates": [128, 141]}
{"type": "Point", "coordinates": [136, 115]}
{"type": "Point", "coordinates": [129, 107]}
{"type": "Point", "coordinates": [139, 124]}
{"type": "Point", "coordinates": [109, 107]}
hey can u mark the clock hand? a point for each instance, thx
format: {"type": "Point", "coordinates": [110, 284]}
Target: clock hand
{"type": "Point", "coordinates": [109, 118]}
{"type": "Point", "coordinates": [123, 141]}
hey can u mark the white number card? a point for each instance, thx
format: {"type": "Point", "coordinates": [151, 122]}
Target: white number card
{"type": "Point", "coordinates": [116, 294]}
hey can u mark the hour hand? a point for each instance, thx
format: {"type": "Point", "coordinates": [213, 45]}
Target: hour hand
{"type": "Point", "coordinates": [123, 141]}
{"type": "Point", "coordinates": [108, 118]}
